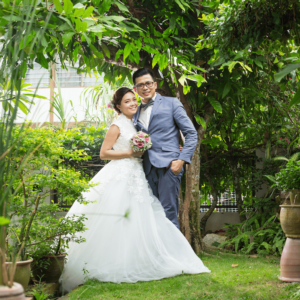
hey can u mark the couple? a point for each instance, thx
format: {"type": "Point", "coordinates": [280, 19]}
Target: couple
{"type": "Point", "coordinates": [148, 244]}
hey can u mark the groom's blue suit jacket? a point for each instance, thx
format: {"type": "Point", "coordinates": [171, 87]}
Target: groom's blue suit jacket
{"type": "Point", "coordinates": [168, 116]}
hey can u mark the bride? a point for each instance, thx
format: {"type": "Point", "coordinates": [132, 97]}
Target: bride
{"type": "Point", "coordinates": [129, 238]}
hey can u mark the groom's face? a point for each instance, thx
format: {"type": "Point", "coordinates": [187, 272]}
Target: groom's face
{"type": "Point", "coordinates": [145, 87]}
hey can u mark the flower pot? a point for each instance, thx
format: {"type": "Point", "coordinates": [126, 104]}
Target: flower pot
{"type": "Point", "coordinates": [22, 274]}
{"type": "Point", "coordinates": [52, 271]}
{"type": "Point", "coordinates": [290, 220]}
{"type": "Point", "coordinates": [290, 261]}
{"type": "Point", "coordinates": [16, 292]}
{"type": "Point", "coordinates": [295, 197]}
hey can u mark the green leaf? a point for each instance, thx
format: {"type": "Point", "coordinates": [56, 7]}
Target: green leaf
{"type": "Point", "coordinates": [78, 12]}
{"type": "Point", "coordinates": [172, 23]}
{"type": "Point", "coordinates": [155, 59]}
{"type": "Point", "coordinates": [24, 42]}
{"type": "Point", "coordinates": [296, 99]}
{"type": "Point", "coordinates": [97, 28]}
{"type": "Point", "coordinates": [67, 21]}
{"type": "Point", "coordinates": [295, 156]}
{"type": "Point", "coordinates": [288, 69]}
{"type": "Point", "coordinates": [78, 25]}
{"type": "Point", "coordinates": [68, 7]}
{"type": "Point", "coordinates": [113, 18]}
{"type": "Point", "coordinates": [88, 12]}
{"type": "Point", "coordinates": [121, 6]}
{"type": "Point", "coordinates": [35, 96]}
{"type": "Point", "coordinates": [174, 76]}
{"type": "Point", "coordinates": [136, 55]}
{"type": "Point", "coordinates": [186, 89]}
{"type": "Point", "coordinates": [163, 62]}
{"type": "Point", "coordinates": [4, 221]}
{"type": "Point", "coordinates": [87, 38]}
{"type": "Point", "coordinates": [258, 63]}
{"type": "Point", "coordinates": [180, 4]}
{"type": "Point", "coordinates": [84, 26]}
{"type": "Point", "coordinates": [196, 77]}
{"type": "Point", "coordinates": [127, 51]}
{"type": "Point", "coordinates": [216, 104]}
{"type": "Point", "coordinates": [58, 6]}
{"type": "Point", "coordinates": [67, 38]}
{"type": "Point", "coordinates": [79, 6]}
{"type": "Point", "coordinates": [105, 49]}
{"type": "Point", "coordinates": [12, 18]}
{"type": "Point", "coordinates": [42, 60]}
{"type": "Point", "coordinates": [182, 80]}
{"type": "Point", "coordinates": [226, 89]}
{"type": "Point", "coordinates": [118, 54]}
{"type": "Point", "coordinates": [104, 6]}
{"type": "Point", "coordinates": [200, 121]}
{"type": "Point", "coordinates": [280, 158]}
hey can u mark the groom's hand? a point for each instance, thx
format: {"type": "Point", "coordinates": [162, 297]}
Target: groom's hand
{"type": "Point", "coordinates": [176, 166]}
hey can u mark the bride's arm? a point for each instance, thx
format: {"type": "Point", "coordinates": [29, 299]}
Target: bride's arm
{"type": "Point", "coordinates": [111, 137]}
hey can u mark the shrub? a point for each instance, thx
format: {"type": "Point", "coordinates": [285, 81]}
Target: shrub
{"type": "Point", "coordinates": [35, 227]}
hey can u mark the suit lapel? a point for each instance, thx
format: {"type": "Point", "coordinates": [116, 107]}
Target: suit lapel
{"type": "Point", "coordinates": [156, 104]}
{"type": "Point", "coordinates": [136, 122]}
{"type": "Point", "coordinates": [136, 116]}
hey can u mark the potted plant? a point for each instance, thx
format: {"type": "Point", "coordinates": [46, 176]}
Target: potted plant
{"type": "Point", "coordinates": [51, 238]}
{"type": "Point", "coordinates": [288, 180]}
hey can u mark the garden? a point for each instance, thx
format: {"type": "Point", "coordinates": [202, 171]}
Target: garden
{"type": "Point", "coordinates": [234, 66]}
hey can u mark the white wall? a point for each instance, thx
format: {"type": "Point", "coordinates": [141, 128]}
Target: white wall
{"type": "Point", "coordinates": [39, 112]}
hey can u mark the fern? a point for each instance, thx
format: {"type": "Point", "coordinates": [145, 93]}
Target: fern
{"type": "Point", "coordinates": [263, 228]}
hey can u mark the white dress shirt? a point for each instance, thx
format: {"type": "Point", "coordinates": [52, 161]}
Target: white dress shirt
{"type": "Point", "coordinates": [144, 116]}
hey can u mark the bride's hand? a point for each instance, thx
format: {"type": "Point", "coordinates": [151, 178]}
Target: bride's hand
{"type": "Point", "coordinates": [136, 154]}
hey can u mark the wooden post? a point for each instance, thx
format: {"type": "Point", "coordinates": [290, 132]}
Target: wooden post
{"type": "Point", "coordinates": [52, 86]}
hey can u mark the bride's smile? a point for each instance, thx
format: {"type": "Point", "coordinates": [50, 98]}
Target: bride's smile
{"type": "Point", "coordinates": [128, 105]}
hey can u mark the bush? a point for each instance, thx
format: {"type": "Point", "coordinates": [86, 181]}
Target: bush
{"type": "Point", "coordinates": [289, 177]}
{"type": "Point", "coordinates": [35, 227]}
{"type": "Point", "coordinates": [261, 233]}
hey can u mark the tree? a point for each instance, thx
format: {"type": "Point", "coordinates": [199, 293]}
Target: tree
{"type": "Point", "coordinates": [99, 33]}
{"type": "Point", "coordinates": [250, 41]}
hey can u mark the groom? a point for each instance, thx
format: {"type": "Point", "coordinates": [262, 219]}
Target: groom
{"type": "Point", "coordinates": [163, 117]}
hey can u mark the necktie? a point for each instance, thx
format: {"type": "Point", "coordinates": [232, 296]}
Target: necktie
{"type": "Point", "coordinates": [146, 105]}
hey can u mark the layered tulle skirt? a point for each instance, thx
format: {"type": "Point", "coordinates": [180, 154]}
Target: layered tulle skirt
{"type": "Point", "coordinates": [129, 238]}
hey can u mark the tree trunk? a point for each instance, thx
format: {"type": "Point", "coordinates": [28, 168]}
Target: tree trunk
{"type": "Point", "coordinates": [237, 187]}
{"type": "Point", "coordinates": [193, 177]}
{"type": "Point", "coordinates": [180, 213]}
{"type": "Point", "coordinates": [190, 208]}
{"type": "Point", "coordinates": [213, 205]}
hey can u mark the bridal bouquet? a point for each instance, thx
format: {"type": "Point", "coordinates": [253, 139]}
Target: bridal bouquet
{"type": "Point", "coordinates": [141, 141]}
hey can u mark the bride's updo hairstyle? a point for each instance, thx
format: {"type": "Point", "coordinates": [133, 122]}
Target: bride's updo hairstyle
{"type": "Point", "coordinates": [118, 96]}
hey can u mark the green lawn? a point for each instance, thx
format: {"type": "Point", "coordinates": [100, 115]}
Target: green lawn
{"type": "Point", "coordinates": [253, 278]}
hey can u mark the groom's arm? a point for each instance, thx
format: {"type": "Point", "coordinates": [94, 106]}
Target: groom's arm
{"type": "Point", "coordinates": [188, 130]}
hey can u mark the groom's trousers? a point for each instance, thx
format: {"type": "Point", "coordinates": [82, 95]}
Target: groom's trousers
{"type": "Point", "coordinates": [165, 186]}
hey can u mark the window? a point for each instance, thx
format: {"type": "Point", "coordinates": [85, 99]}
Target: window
{"type": "Point", "coordinates": [226, 203]}
{"type": "Point", "coordinates": [37, 76]}
{"type": "Point", "coordinates": [66, 78]}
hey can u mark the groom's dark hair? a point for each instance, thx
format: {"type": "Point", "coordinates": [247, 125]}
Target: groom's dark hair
{"type": "Point", "coordinates": [141, 72]}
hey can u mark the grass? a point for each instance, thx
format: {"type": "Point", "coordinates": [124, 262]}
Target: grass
{"type": "Point", "coordinates": [252, 279]}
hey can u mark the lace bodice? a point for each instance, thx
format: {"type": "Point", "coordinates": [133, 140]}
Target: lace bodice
{"type": "Point", "coordinates": [125, 170]}
{"type": "Point", "coordinates": [127, 131]}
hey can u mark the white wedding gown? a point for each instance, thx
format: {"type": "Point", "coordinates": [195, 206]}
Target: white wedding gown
{"type": "Point", "coordinates": [141, 247]}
